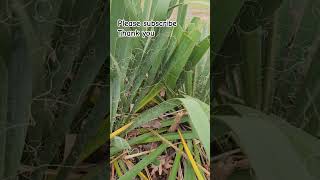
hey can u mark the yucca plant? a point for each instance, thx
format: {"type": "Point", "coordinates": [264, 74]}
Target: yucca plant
{"type": "Point", "coordinates": [266, 83]}
{"type": "Point", "coordinates": [54, 98]}
{"type": "Point", "coordinates": [159, 94]}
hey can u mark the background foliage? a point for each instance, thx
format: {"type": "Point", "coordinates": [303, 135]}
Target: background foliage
{"type": "Point", "coordinates": [54, 97]}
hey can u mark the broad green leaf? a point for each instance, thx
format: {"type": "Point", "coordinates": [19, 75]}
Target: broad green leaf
{"type": "Point", "coordinates": [198, 119]}
{"type": "Point", "coordinates": [305, 144]}
{"type": "Point", "coordinates": [255, 134]}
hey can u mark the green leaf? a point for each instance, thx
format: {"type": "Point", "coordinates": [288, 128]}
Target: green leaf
{"type": "Point", "coordinates": [305, 144]}
{"type": "Point", "coordinates": [179, 59]}
{"type": "Point", "coordinates": [198, 52]}
{"type": "Point", "coordinates": [95, 142]}
{"type": "Point", "coordinates": [19, 103]}
{"type": "Point", "coordinates": [188, 170]}
{"type": "Point", "coordinates": [115, 88]}
{"type": "Point", "coordinates": [152, 57]}
{"type": "Point", "coordinates": [182, 13]}
{"type": "Point", "coordinates": [176, 164]}
{"type": "Point", "coordinates": [175, 67]}
{"type": "Point", "coordinates": [199, 118]}
{"type": "Point", "coordinates": [255, 134]}
{"type": "Point", "coordinates": [201, 89]}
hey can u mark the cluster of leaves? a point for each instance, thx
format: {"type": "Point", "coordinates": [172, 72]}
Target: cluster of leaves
{"type": "Point", "coordinates": [53, 76]}
{"type": "Point", "coordinates": [159, 85]}
{"type": "Point", "coordinates": [266, 85]}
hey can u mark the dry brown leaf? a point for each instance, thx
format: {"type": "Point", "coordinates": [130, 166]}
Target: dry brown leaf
{"type": "Point", "coordinates": [129, 164]}
{"type": "Point", "coordinates": [162, 92]}
{"type": "Point", "coordinates": [242, 163]}
{"type": "Point", "coordinates": [133, 133]}
{"type": "Point", "coordinates": [150, 146]}
{"type": "Point", "coordinates": [164, 166]}
{"type": "Point", "coordinates": [177, 121]}
{"type": "Point", "coordinates": [131, 107]}
{"type": "Point", "coordinates": [154, 169]}
{"type": "Point", "coordinates": [155, 124]}
{"type": "Point", "coordinates": [180, 173]}
{"type": "Point", "coordinates": [226, 167]}
{"type": "Point", "coordinates": [69, 142]}
{"type": "Point", "coordinates": [112, 173]}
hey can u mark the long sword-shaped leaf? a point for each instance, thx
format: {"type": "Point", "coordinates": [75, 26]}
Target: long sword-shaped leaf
{"type": "Point", "coordinates": [176, 164]}
{"type": "Point", "coordinates": [19, 102]}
